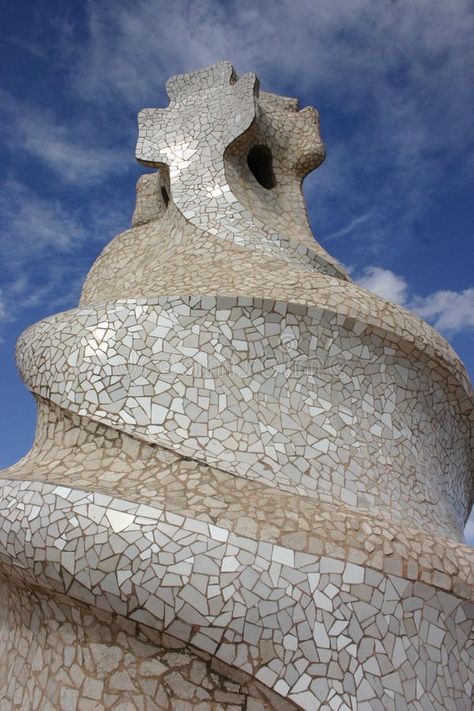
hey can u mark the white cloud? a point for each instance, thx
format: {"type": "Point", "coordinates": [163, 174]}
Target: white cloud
{"type": "Point", "coordinates": [449, 311]}
{"type": "Point", "coordinates": [32, 224]}
{"type": "Point", "coordinates": [384, 283]}
{"type": "Point", "coordinates": [71, 150]}
{"type": "Point", "coordinates": [348, 229]}
{"type": "Point", "coordinates": [39, 243]}
{"type": "Point", "coordinates": [45, 248]}
{"type": "Point", "coordinates": [3, 308]}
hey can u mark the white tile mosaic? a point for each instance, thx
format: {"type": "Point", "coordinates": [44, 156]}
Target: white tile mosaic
{"type": "Point", "coordinates": [264, 614]}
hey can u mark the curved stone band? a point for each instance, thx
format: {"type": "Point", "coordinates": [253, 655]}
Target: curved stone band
{"type": "Point", "coordinates": [264, 390]}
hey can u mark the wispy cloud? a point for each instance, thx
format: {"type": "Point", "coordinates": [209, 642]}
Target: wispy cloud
{"type": "Point", "coordinates": [451, 312]}
{"type": "Point", "coordinates": [32, 224]}
{"type": "Point", "coordinates": [70, 150]}
{"type": "Point", "coordinates": [348, 229]}
{"type": "Point", "coordinates": [3, 308]}
{"type": "Point", "coordinates": [45, 246]}
{"type": "Point", "coordinates": [40, 241]}
{"type": "Point", "coordinates": [35, 225]}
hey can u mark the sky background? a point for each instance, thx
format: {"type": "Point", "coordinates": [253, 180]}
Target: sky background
{"type": "Point", "coordinates": [392, 79]}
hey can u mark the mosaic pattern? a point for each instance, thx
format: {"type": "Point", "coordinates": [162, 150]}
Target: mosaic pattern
{"type": "Point", "coordinates": [262, 389]}
{"type": "Point", "coordinates": [98, 660]}
{"type": "Point", "coordinates": [239, 454]}
{"type": "Point", "coordinates": [306, 626]}
{"type": "Point", "coordinates": [97, 458]}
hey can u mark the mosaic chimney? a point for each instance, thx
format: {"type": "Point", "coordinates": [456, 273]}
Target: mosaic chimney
{"type": "Point", "coordinates": [250, 476]}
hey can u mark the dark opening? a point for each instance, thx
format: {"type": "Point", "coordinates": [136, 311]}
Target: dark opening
{"type": "Point", "coordinates": [165, 196]}
{"type": "Point", "coordinates": [260, 162]}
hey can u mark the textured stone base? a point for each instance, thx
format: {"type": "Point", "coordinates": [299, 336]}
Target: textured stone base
{"type": "Point", "coordinates": [56, 653]}
{"type": "Point", "coordinates": [315, 630]}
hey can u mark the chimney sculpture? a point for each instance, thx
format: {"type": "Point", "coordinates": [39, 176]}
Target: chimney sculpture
{"type": "Point", "coordinates": [250, 476]}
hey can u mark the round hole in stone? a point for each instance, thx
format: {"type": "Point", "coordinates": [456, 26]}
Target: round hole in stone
{"type": "Point", "coordinates": [260, 163]}
{"type": "Point", "coordinates": [165, 196]}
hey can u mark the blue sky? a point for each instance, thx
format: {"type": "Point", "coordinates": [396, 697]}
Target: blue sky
{"type": "Point", "coordinates": [393, 201]}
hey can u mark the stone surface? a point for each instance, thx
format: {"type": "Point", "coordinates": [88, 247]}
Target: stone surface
{"type": "Point", "coordinates": [250, 476]}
